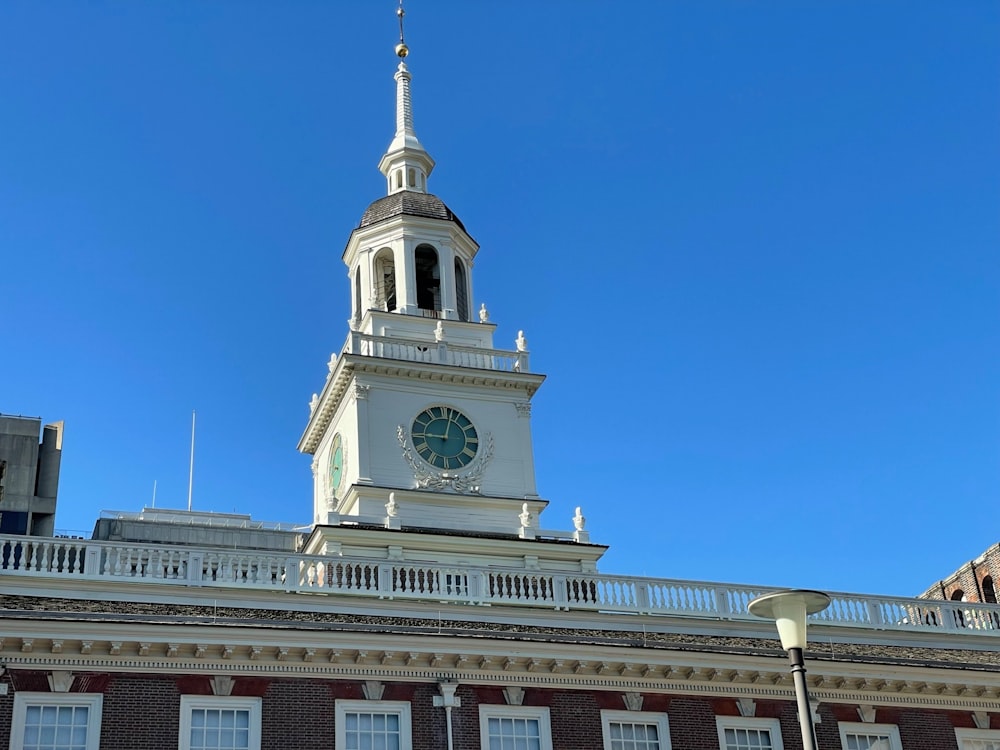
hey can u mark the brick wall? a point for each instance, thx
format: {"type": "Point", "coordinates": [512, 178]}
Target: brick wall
{"type": "Point", "coordinates": [297, 714]}
{"type": "Point", "coordinates": [692, 724]}
{"type": "Point", "coordinates": [141, 712]}
{"type": "Point", "coordinates": [971, 580]}
{"type": "Point", "coordinates": [6, 711]}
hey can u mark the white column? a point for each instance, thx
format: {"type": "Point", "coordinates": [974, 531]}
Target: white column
{"type": "Point", "coordinates": [446, 270]}
{"type": "Point", "coordinates": [406, 275]}
{"type": "Point", "coordinates": [365, 448]}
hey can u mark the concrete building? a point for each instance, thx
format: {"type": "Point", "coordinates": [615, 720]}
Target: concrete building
{"type": "Point", "coordinates": [429, 606]}
{"type": "Point", "coordinates": [30, 455]}
{"type": "Point", "coordinates": [189, 527]}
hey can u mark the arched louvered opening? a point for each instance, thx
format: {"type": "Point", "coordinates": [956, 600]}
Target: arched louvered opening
{"type": "Point", "coordinates": [461, 291]}
{"type": "Point", "coordinates": [357, 293]}
{"type": "Point", "coordinates": [958, 595]}
{"type": "Point", "coordinates": [384, 269]}
{"type": "Point", "coordinates": [428, 278]}
{"type": "Point", "coordinates": [989, 592]}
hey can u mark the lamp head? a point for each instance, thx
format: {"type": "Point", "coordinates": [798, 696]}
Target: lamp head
{"type": "Point", "coordinates": [789, 610]}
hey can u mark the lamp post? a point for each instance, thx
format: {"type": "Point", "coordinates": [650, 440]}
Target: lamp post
{"type": "Point", "coordinates": [789, 610]}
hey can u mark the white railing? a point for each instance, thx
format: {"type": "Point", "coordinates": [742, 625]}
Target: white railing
{"type": "Point", "coordinates": [81, 559]}
{"type": "Point", "coordinates": [436, 352]}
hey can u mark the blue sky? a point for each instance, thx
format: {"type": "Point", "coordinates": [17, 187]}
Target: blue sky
{"type": "Point", "coordinates": [752, 244]}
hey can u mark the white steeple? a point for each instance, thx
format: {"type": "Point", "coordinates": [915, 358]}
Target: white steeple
{"type": "Point", "coordinates": [422, 424]}
{"type": "Point", "coordinates": [406, 164]}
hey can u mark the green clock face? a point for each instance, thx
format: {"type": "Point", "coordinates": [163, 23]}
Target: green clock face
{"type": "Point", "coordinates": [444, 437]}
{"type": "Point", "coordinates": [336, 463]}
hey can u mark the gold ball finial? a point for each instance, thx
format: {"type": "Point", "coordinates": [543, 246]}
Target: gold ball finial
{"type": "Point", "coordinates": [401, 49]}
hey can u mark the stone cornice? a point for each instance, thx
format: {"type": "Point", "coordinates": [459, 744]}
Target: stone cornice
{"type": "Point", "coordinates": [425, 228]}
{"type": "Point", "coordinates": [164, 649]}
{"type": "Point", "coordinates": [350, 366]}
{"type": "Point", "coordinates": [528, 382]}
{"type": "Point", "coordinates": [416, 542]}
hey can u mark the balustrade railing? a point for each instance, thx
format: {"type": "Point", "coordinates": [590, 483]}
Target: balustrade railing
{"type": "Point", "coordinates": [436, 352]}
{"type": "Point", "coordinates": [81, 559]}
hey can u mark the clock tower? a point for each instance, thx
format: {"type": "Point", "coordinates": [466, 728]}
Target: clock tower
{"type": "Point", "coordinates": [421, 424]}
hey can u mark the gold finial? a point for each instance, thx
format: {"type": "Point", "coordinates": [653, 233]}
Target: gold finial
{"type": "Point", "coordinates": [401, 49]}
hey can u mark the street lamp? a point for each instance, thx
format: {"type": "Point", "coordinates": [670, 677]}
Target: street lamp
{"type": "Point", "coordinates": [789, 609]}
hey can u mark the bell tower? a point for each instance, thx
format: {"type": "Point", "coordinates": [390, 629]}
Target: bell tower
{"type": "Point", "coordinates": [421, 422]}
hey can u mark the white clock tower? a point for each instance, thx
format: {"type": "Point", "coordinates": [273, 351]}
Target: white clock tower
{"type": "Point", "coordinates": [422, 424]}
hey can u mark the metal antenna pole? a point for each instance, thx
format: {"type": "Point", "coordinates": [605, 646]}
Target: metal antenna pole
{"type": "Point", "coordinates": [191, 472]}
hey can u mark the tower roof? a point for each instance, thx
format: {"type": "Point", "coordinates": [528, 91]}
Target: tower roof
{"type": "Point", "coordinates": [408, 203]}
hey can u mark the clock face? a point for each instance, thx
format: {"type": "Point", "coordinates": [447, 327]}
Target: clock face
{"type": "Point", "coordinates": [336, 463]}
{"type": "Point", "coordinates": [444, 437]}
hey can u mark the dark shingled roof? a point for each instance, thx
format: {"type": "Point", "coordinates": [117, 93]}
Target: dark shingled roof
{"type": "Point", "coordinates": [34, 607]}
{"type": "Point", "coordinates": [408, 203]}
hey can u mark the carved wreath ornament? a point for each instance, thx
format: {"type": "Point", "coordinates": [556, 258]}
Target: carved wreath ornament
{"type": "Point", "coordinates": [464, 481]}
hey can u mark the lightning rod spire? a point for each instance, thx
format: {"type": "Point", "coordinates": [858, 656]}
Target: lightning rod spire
{"type": "Point", "coordinates": [406, 164]}
{"type": "Point", "coordinates": [401, 49]}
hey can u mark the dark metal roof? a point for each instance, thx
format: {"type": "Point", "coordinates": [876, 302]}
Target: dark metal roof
{"type": "Point", "coordinates": [408, 203]}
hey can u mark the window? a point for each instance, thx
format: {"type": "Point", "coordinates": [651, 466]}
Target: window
{"type": "Point", "coordinates": [514, 728]}
{"type": "Point", "coordinates": [219, 723]}
{"type": "Point", "coordinates": [461, 291]}
{"type": "Point", "coordinates": [978, 739]}
{"type": "Point", "coordinates": [56, 721]}
{"type": "Point", "coordinates": [385, 280]}
{"type": "Point", "coordinates": [428, 278]}
{"type": "Point", "coordinates": [857, 736]}
{"type": "Point", "coordinates": [365, 725]}
{"type": "Point", "coordinates": [741, 733]}
{"type": "Point", "coordinates": [635, 730]}
{"type": "Point", "coordinates": [989, 592]}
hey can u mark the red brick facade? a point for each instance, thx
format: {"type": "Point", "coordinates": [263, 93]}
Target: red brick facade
{"type": "Point", "coordinates": [141, 712]}
{"type": "Point", "coordinates": [976, 581]}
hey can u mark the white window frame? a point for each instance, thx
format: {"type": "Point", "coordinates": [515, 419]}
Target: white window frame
{"type": "Point", "coordinates": [223, 703]}
{"type": "Point", "coordinates": [773, 726]}
{"type": "Point", "coordinates": [891, 731]}
{"type": "Point", "coordinates": [489, 711]}
{"type": "Point", "coordinates": [400, 708]}
{"type": "Point", "coordinates": [983, 735]}
{"type": "Point", "coordinates": [94, 702]}
{"type": "Point", "coordinates": [658, 720]}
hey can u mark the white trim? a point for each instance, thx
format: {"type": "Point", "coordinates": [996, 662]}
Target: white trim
{"type": "Point", "coordinates": [540, 714]}
{"type": "Point", "coordinates": [889, 731]}
{"type": "Point", "coordinates": [218, 703]}
{"type": "Point", "coordinates": [399, 708]}
{"type": "Point", "coordinates": [659, 720]}
{"type": "Point", "coordinates": [962, 736]}
{"type": "Point", "coordinates": [93, 702]}
{"type": "Point", "coordinates": [773, 727]}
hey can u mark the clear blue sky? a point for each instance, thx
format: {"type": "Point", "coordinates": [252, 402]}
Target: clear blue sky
{"type": "Point", "coordinates": [754, 246]}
